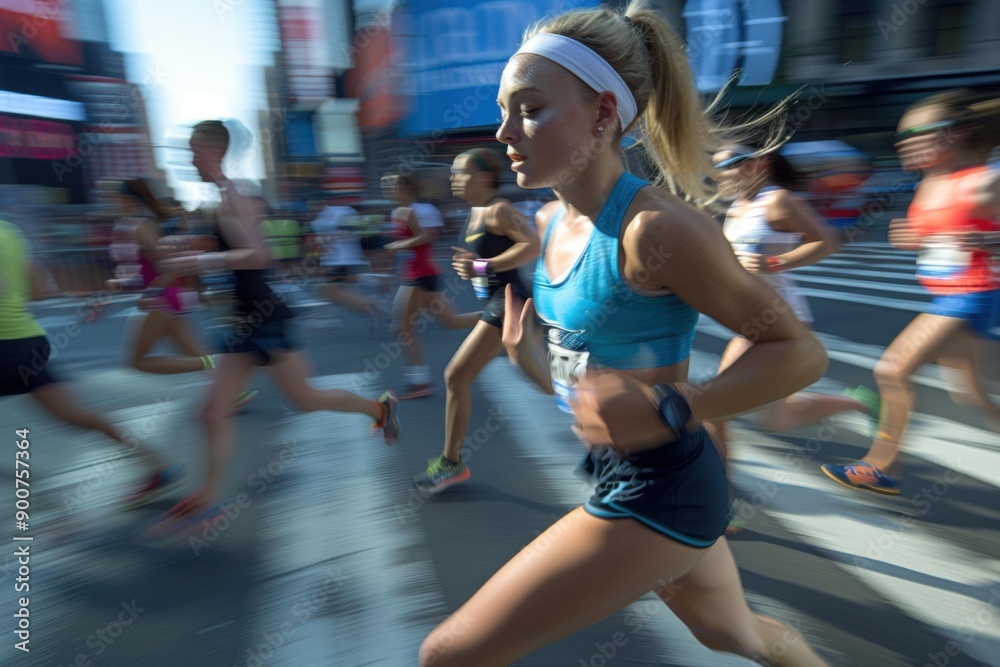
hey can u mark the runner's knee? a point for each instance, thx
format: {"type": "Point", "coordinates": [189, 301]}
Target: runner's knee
{"type": "Point", "coordinates": [456, 376]}
{"type": "Point", "coordinates": [214, 412]}
{"type": "Point", "coordinates": [889, 371]}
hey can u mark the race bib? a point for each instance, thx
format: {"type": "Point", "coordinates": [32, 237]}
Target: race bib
{"type": "Point", "coordinates": [746, 246]}
{"type": "Point", "coordinates": [940, 257]}
{"type": "Point", "coordinates": [568, 358]}
{"type": "Point", "coordinates": [483, 287]}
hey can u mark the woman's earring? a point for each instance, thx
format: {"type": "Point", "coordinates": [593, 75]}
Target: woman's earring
{"type": "Point", "coordinates": [600, 128]}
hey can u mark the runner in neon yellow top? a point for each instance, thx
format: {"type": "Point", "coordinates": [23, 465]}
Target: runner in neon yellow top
{"type": "Point", "coordinates": [15, 286]}
{"type": "Point", "coordinates": [24, 359]}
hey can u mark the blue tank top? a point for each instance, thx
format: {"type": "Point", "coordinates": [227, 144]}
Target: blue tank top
{"type": "Point", "coordinates": [591, 316]}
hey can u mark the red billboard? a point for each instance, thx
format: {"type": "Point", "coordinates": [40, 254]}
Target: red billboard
{"type": "Point", "coordinates": [35, 139]}
{"type": "Point", "coordinates": [374, 80]}
{"type": "Point", "coordinates": [34, 29]}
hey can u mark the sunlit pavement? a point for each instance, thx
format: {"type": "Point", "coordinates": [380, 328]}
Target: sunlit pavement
{"type": "Point", "coordinates": [334, 559]}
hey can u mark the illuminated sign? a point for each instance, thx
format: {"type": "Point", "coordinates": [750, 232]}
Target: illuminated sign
{"type": "Point", "coordinates": [33, 29]}
{"type": "Point", "coordinates": [452, 53]}
{"type": "Point", "coordinates": [35, 139]}
{"type": "Point", "coordinates": [728, 35]}
{"type": "Point", "coordinates": [41, 107]}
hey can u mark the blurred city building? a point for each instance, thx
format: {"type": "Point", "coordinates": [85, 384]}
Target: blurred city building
{"type": "Point", "coordinates": [68, 115]}
{"type": "Point", "coordinates": [358, 89]}
{"type": "Point", "coordinates": [312, 142]}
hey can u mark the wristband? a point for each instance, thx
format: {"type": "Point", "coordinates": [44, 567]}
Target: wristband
{"type": "Point", "coordinates": [673, 408]}
{"type": "Point", "coordinates": [211, 262]}
{"type": "Point", "coordinates": [774, 264]}
{"type": "Point", "coordinates": [481, 267]}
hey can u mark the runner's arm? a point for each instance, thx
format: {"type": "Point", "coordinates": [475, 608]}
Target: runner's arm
{"type": "Point", "coordinates": [248, 249]}
{"type": "Point", "coordinates": [420, 236]}
{"type": "Point", "coordinates": [508, 221]}
{"type": "Point", "coordinates": [786, 213]}
{"type": "Point", "coordinates": [703, 271]}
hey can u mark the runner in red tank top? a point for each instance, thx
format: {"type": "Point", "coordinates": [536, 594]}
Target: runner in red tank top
{"type": "Point", "coordinates": [953, 224]}
{"type": "Point", "coordinates": [417, 226]}
{"type": "Point", "coordinates": [946, 264]}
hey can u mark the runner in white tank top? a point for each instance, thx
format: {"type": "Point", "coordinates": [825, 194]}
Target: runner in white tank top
{"type": "Point", "coordinates": [771, 230]}
{"type": "Point", "coordinates": [748, 231]}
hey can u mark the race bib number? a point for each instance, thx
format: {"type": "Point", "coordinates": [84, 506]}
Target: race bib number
{"type": "Point", "coordinates": [568, 358]}
{"type": "Point", "coordinates": [940, 257]}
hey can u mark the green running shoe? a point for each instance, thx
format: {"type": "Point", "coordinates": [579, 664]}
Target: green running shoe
{"type": "Point", "coordinates": [440, 474]}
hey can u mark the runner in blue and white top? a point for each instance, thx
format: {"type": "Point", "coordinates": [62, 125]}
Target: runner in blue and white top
{"type": "Point", "coordinates": [625, 269]}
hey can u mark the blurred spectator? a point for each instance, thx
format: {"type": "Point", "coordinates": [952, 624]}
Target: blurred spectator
{"type": "Point", "coordinates": [284, 237]}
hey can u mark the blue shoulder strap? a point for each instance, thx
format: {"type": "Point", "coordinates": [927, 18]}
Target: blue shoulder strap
{"type": "Point", "coordinates": [610, 220]}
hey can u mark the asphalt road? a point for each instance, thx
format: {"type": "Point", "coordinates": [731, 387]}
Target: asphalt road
{"type": "Point", "coordinates": [334, 559]}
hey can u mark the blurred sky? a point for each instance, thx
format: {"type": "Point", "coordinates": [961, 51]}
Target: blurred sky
{"type": "Point", "coordinates": [199, 59]}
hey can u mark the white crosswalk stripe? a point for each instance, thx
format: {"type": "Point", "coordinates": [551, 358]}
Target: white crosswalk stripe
{"type": "Point", "coordinates": [870, 275]}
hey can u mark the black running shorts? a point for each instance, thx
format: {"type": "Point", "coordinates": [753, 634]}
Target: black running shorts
{"type": "Point", "coordinates": [429, 283]}
{"type": "Point", "coordinates": [678, 489]}
{"type": "Point", "coordinates": [262, 341]}
{"type": "Point", "coordinates": [24, 365]}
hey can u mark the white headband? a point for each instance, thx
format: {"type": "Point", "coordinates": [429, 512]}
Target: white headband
{"type": "Point", "coordinates": [586, 64]}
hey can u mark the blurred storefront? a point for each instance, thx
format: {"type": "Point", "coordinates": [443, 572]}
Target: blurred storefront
{"type": "Point", "coordinates": [67, 115]}
{"type": "Point", "coordinates": [315, 149]}
{"type": "Point", "coordinates": [39, 117]}
{"type": "Point", "coordinates": [860, 63]}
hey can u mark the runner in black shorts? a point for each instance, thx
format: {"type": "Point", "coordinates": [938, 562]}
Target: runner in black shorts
{"type": "Point", "coordinates": [24, 360]}
{"type": "Point", "coordinates": [495, 241]}
{"type": "Point", "coordinates": [625, 269]}
{"type": "Point", "coordinates": [258, 337]}
{"type": "Point", "coordinates": [417, 226]}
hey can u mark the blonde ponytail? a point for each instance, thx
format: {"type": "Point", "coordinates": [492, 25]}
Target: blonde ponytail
{"type": "Point", "coordinates": [672, 125]}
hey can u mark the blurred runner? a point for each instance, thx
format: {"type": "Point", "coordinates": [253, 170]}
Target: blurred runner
{"type": "Point", "coordinates": [495, 242]}
{"type": "Point", "coordinates": [259, 336]}
{"type": "Point", "coordinates": [343, 265]}
{"type": "Point", "coordinates": [417, 226]}
{"type": "Point", "coordinates": [954, 224]}
{"type": "Point", "coordinates": [772, 231]}
{"type": "Point", "coordinates": [24, 360]}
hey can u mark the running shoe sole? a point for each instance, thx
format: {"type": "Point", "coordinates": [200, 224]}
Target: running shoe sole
{"type": "Point", "coordinates": [245, 398]}
{"type": "Point", "coordinates": [443, 484]}
{"type": "Point", "coordinates": [157, 493]}
{"type": "Point", "coordinates": [166, 532]}
{"type": "Point", "coordinates": [860, 487]}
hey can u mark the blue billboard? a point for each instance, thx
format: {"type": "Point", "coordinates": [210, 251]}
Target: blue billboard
{"type": "Point", "coordinates": [728, 35]}
{"type": "Point", "coordinates": [450, 54]}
